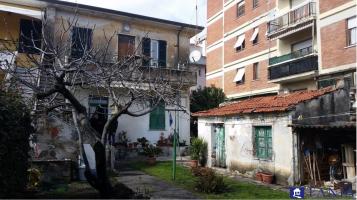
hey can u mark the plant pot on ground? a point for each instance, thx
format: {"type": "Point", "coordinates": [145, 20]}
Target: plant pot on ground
{"type": "Point", "coordinates": [151, 160]}
{"type": "Point", "coordinates": [258, 176]}
{"type": "Point", "coordinates": [151, 152]}
{"type": "Point", "coordinates": [267, 177]}
{"type": "Point", "coordinates": [198, 151]}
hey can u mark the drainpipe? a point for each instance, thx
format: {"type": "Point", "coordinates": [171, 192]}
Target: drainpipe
{"type": "Point", "coordinates": [178, 46]}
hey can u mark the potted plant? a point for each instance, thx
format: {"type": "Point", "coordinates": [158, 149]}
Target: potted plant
{"type": "Point", "coordinates": [143, 141]}
{"type": "Point", "coordinates": [197, 150]}
{"type": "Point", "coordinates": [151, 152]}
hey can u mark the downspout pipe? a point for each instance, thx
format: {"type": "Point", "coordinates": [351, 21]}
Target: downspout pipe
{"type": "Point", "coordinates": [178, 46]}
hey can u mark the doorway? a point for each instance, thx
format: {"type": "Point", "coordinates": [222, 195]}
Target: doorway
{"type": "Point", "coordinates": [219, 147]}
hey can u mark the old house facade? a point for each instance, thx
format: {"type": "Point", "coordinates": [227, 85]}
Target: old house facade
{"type": "Point", "coordinates": [267, 55]}
{"type": "Point", "coordinates": [165, 42]}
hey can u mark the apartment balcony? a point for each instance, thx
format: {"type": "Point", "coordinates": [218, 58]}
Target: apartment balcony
{"type": "Point", "coordinates": [184, 77]}
{"type": "Point", "coordinates": [293, 21]}
{"type": "Point", "coordinates": [293, 66]}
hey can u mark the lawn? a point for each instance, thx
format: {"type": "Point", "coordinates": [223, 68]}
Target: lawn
{"type": "Point", "coordinates": [184, 178]}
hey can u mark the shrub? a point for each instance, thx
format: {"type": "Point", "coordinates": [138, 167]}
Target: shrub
{"type": "Point", "coordinates": [151, 151]}
{"type": "Point", "coordinates": [198, 150]}
{"type": "Point", "coordinates": [208, 181]}
{"type": "Point", "coordinates": [15, 129]}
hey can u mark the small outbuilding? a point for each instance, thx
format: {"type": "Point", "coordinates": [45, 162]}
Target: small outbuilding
{"type": "Point", "coordinates": [265, 134]}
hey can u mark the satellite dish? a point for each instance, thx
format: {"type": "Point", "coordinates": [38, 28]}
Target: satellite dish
{"type": "Point", "coordinates": [195, 56]}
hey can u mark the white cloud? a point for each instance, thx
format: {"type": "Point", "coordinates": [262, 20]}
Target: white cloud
{"type": "Point", "coordinates": [175, 10]}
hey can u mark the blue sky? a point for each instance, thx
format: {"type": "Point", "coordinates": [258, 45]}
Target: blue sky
{"type": "Point", "coordinates": [175, 10]}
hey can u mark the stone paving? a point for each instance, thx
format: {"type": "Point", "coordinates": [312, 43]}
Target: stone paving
{"type": "Point", "coordinates": [148, 185]}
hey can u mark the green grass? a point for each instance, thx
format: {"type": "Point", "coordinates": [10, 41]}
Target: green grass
{"type": "Point", "coordinates": [236, 189]}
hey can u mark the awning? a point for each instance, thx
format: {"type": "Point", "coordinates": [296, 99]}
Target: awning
{"type": "Point", "coordinates": [255, 34]}
{"type": "Point", "coordinates": [22, 11]}
{"type": "Point", "coordinates": [239, 41]}
{"type": "Point", "coordinates": [239, 75]}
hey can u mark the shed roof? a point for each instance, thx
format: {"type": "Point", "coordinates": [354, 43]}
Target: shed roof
{"type": "Point", "coordinates": [276, 103]}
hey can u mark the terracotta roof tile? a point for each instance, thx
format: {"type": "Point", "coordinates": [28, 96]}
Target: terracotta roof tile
{"type": "Point", "coordinates": [277, 103]}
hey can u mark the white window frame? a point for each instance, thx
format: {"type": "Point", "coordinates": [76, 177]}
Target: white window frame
{"type": "Point", "coordinates": [351, 25]}
{"type": "Point", "coordinates": [154, 54]}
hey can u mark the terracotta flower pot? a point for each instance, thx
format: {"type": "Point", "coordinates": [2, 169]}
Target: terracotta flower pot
{"type": "Point", "coordinates": [194, 163]}
{"type": "Point", "coordinates": [258, 176]}
{"type": "Point", "coordinates": [267, 178]}
{"type": "Point", "coordinates": [151, 160]}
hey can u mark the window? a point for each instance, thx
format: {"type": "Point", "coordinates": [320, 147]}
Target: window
{"type": "Point", "coordinates": [255, 71]}
{"type": "Point", "coordinates": [255, 36]}
{"type": "Point", "coordinates": [240, 76]}
{"type": "Point", "coordinates": [351, 31]}
{"type": "Point", "coordinates": [255, 3]}
{"type": "Point", "coordinates": [30, 36]}
{"type": "Point", "coordinates": [98, 102]}
{"type": "Point", "coordinates": [326, 83]}
{"type": "Point", "coordinates": [98, 112]}
{"type": "Point", "coordinates": [240, 8]}
{"type": "Point", "coordinates": [302, 46]}
{"type": "Point", "coordinates": [126, 45]}
{"type": "Point", "coordinates": [263, 142]}
{"type": "Point", "coordinates": [81, 41]}
{"type": "Point", "coordinates": [240, 44]}
{"type": "Point", "coordinates": [155, 52]}
{"type": "Point", "coordinates": [157, 117]}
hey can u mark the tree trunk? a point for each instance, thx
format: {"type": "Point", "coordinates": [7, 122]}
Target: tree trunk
{"type": "Point", "coordinates": [100, 181]}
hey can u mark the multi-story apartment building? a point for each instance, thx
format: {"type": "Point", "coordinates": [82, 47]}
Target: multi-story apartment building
{"type": "Point", "coordinates": [284, 53]}
{"type": "Point", "coordinates": [166, 43]}
{"type": "Point", "coordinates": [263, 47]}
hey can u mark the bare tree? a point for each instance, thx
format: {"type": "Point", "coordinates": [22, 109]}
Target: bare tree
{"type": "Point", "coordinates": [60, 66]}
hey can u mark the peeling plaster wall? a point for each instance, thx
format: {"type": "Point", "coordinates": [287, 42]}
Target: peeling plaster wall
{"type": "Point", "coordinates": [54, 140]}
{"type": "Point", "coordinates": [239, 140]}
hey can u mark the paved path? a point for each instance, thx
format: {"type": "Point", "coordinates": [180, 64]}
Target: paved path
{"type": "Point", "coordinates": [148, 185]}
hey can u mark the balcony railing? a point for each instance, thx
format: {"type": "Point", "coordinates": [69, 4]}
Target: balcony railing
{"type": "Point", "coordinates": [292, 18]}
{"type": "Point", "coordinates": [303, 65]}
{"type": "Point", "coordinates": [293, 55]}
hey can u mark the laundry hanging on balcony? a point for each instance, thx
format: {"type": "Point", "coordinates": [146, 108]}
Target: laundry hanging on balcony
{"type": "Point", "coordinates": [240, 41]}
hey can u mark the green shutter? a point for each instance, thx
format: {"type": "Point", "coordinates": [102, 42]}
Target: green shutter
{"type": "Point", "coordinates": [157, 118]}
{"type": "Point", "coordinates": [263, 141]}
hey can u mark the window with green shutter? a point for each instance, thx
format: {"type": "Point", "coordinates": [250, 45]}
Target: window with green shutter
{"type": "Point", "coordinates": [157, 118]}
{"type": "Point", "coordinates": [263, 142]}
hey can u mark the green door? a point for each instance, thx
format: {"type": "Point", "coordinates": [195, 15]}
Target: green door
{"type": "Point", "coordinates": [220, 146]}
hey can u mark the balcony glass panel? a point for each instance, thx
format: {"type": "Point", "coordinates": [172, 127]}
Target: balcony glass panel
{"type": "Point", "coordinates": [292, 68]}
{"type": "Point", "coordinates": [293, 55]}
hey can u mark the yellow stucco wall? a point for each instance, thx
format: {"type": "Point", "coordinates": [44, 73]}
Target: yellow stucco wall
{"type": "Point", "coordinates": [10, 33]}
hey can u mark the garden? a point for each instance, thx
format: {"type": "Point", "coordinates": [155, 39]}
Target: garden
{"type": "Point", "coordinates": [207, 184]}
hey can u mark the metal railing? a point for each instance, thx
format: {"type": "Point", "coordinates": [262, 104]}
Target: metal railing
{"type": "Point", "coordinates": [292, 68]}
{"type": "Point", "coordinates": [293, 55]}
{"type": "Point", "coordinates": [293, 17]}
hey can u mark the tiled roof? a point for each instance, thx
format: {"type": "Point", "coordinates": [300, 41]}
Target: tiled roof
{"type": "Point", "coordinates": [277, 103]}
